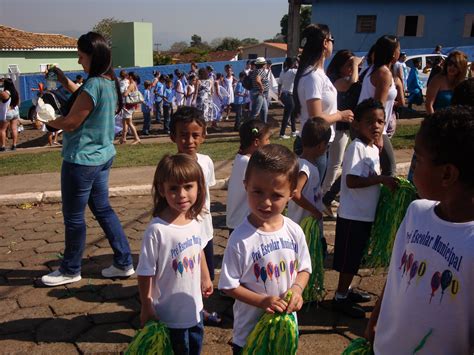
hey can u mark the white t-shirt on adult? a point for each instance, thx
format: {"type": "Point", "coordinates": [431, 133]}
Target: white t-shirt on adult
{"type": "Point", "coordinates": [237, 207]}
{"type": "Point", "coordinates": [316, 85]}
{"type": "Point", "coordinates": [430, 287]}
{"type": "Point", "coordinates": [359, 204]}
{"type": "Point", "coordinates": [287, 79]}
{"type": "Point", "coordinates": [207, 167]}
{"type": "Point", "coordinates": [172, 255]}
{"type": "Point", "coordinates": [311, 191]}
{"type": "Point", "coordinates": [263, 262]}
{"type": "Point", "coordinates": [368, 91]}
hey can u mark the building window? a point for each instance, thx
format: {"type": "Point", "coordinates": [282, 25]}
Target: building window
{"type": "Point", "coordinates": [411, 25]}
{"type": "Point", "coordinates": [468, 25]}
{"type": "Point", "coordinates": [252, 56]}
{"type": "Point", "coordinates": [366, 23]}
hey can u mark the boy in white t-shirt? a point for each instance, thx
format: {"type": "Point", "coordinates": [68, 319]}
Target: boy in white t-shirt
{"type": "Point", "coordinates": [360, 189]}
{"type": "Point", "coordinates": [267, 254]}
{"type": "Point", "coordinates": [427, 305]}
{"type": "Point", "coordinates": [307, 200]}
{"type": "Point", "coordinates": [188, 131]}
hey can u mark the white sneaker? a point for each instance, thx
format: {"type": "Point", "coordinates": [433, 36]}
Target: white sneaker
{"type": "Point", "coordinates": [57, 278]}
{"type": "Point", "coordinates": [112, 272]}
{"type": "Point", "coordinates": [295, 133]}
{"type": "Point", "coordinates": [285, 137]}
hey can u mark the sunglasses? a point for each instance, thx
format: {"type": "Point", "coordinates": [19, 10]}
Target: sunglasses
{"type": "Point", "coordinates": [451, 62]}
{"type": "Point", "coordinates": [331, 39]}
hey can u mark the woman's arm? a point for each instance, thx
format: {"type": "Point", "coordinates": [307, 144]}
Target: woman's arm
{"type": "Point", "coordinates": [382, 80]}
{"type": "Point", "coordinates": [315, 109]}
{"type": "Point", "coordinates": [5, 95]}
{"type": "Point", "coordinates": [258, 81]}
{"type": "Point", "coordinates": [81, 108]}
{"type": "Point", "coordinates": [67, 83]}
{"type": "Point", "coordinates": [431, 92]}
{"type": "Point", "coordinates": [131, 88]}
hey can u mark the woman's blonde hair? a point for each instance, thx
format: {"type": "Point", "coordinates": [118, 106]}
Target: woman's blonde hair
{"type": "Point", "coordinates": [460, 59]}
{"type": "Point", "coordinates": [180, 169]}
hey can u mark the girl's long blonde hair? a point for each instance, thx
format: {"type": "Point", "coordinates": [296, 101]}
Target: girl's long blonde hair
{"type": "Point", "coordinates": [178, 168]}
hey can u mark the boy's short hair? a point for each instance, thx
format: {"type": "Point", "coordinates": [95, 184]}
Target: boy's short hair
{"type": "Point", "coordinates": [277, 159]}
{"type": "Point", "coordinates": [147, 84]}
{"type": "Point", "coordinates": [463, 94]}
{"type": "Point", "coordinates": [448, 135]}
{"type": "Point", "coordinates": [365, 106]}
{"type": "Point", "coordinates": [315, 131]}
{"type": "Point", "coordinates": [187, 114]}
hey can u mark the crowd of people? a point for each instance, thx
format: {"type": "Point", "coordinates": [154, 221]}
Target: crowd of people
{"type": "Point", "coordinates": [267, 255]}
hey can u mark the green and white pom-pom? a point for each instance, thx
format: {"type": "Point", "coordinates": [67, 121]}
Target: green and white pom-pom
{"type": "Point", "coordinates": [359, 346]}
{"type": "Point", "coordinates": [153, 339]}
{"type": "Point", "coordinates": [314, 290]}
{"type": "Point", "coordinates": [391, 209]}
{"type": "Point", "coordinates": [273, 334]}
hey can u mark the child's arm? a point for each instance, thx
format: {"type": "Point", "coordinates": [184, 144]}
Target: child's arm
{"type": "Point", "coordinates": [147, 311]}
{"type": "Point", "coordinates": [371, 325]}
{"type": "Point", "coordinates": [357, 182]}
{"type": "Point", "coordinates": [297, 288]}
{"type": "Point", "coordinates": [206, 282]}
{"type": "Point", "coordinates": [270, 304]}
{"type": "Point", "coordinates": [301, 201]}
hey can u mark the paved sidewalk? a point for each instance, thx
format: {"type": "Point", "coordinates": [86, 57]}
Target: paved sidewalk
{"type": "Point", "coordinates": [100, 316]}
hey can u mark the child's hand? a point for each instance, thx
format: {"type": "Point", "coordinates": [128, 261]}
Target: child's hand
{"type": "Point", "coordinates": [206, 287]}
{"type": "Point", "coordinates": [390, 182]}
{"type": "Point", "coordinates": [272, 304]}
{"type": "Point", "coordinates": [296, 301]}
{"type": "Point", "coordinates": [147, 313]}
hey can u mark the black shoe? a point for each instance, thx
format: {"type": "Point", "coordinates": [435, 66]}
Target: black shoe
{"type": "Point", "coordinates": [13, 147]}
{"type": "Point", "coordinates": [145, 133]}
{"type": "Point", "coordinates": [348, 307]}
{"type": "Point", "coordinates": [358, 296]}
{"type": "Point", "coordinates": [3, 149]}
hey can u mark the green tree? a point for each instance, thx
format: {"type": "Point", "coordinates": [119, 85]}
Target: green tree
{"type": "Point", "coordinates": [196, 41]}
{"type": "Point", "coordinates": [305, 20]}
{"type": "Point", "coordinates": [161, 59]}
{"type": "Point", "coordinates": [104, 27]}
{"type": "Point", "coordinates": [229, 44]}
{"type": "Point", "coordinates": [179, 46]}
{"type": "Point", "coordinates": [249, 42]}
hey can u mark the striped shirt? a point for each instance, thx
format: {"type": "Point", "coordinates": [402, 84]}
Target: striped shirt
{"type": "Point", "coordinates": [263, 74]}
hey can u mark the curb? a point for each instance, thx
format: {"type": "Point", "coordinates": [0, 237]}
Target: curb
{"type": "Point", "coordinates": [135, 190]}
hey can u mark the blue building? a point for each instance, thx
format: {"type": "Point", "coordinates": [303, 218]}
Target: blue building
{"type": "Point", "coordinates": [356, 25]}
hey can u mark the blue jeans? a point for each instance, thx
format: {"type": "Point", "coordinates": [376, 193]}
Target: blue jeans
{"type": "Point", "coordinates": [287, 100]}
{"type": "Point", "coordinates": [188, 341]}
{"type": "Point", "coordinates": [158, 106]}
{"type": "Point", "coordinates": [83, 185]}
{"type": "Point", "coordinates": [146, 119]}
{"type": "Point", "coordinates": [259, 105]}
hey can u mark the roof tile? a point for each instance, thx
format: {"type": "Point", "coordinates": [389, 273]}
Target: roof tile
{"type": "Point", "coordinates": [14, 39]}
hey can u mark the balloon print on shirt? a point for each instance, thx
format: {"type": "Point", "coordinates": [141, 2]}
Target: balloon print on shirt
{"type": "Point", "coordinates": [186, 265]}
{"type": "Point", "coordinates": [446, 282]}
{"type": "Point", "coordinates": [413, 270]}
{"type": "Point", "coordinates": [270, 270]}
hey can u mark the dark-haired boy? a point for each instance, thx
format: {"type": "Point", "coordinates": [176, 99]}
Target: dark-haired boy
{"type": "Point", "coordinates": [428, 300]}
{"type": "Point", "coordinates": [307, 199]}
{"type": "Point", "coordinates": [360, 189]}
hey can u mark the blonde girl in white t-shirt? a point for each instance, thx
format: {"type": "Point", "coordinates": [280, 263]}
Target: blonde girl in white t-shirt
{"type": "Point", "coordinates": [172, 271]}
{"type": "Point", "coordinates": [253, 135]}
{"type": "Point", "coordinates": [313, 93]}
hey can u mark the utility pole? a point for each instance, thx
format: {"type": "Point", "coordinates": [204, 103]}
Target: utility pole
{"type": "Point", "coordinates": [293, 39]}
{"type": "Point", "coordinates": [157, 45]}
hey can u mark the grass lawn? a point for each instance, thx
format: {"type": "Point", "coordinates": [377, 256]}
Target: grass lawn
{"type": "Point", "coordinates": [149, 154]}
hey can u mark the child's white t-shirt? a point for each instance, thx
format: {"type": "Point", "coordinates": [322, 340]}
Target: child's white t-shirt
{"type": "Point", "coordinates": [207, 167]}
{"type": "Point", "coordinates": [430, 287]}
{"type": "Point", "coordinates": [311, 191]}
{"type": "Point", "coordinates": [263, 262]}
{"type": "Point", "coordinates": [359, 204]}
{"type": "Point", "coordinates": [237, 205]}
{"type": "Point", "coordinates": [316, 85]}
{"type": "Point", "coordinates": [172, 255]}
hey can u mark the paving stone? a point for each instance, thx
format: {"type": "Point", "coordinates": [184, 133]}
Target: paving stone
{"type": "Point", "coordinates": [45, 227]}
{"type": "Point", "coordinates": [213, 349]}
{"type": "Point", "coordinates": [18, 343]}
{"type": "Point", "coordinates": [115, 312]}
{"type": "Point", "coordinates": [51, 258]}
{"type": "Point", "coordinates": [16, 255]}
{"type": "Point", "coordinates": [26, 226]}
{"type": "Point", "coordinates": [36, 235]}
{"type": "Point", "coordinates": [7, 266]}
{"type": "Point", "coordinates": [76, 303]}
{"type": "Point", "coordinates": [12, 290]}
{"type": "Point", "coordinates": [41, 296]}
{"type": "Point", "coordinates": [7, 242]}
{"type": "Point", "coordinates": [63, 329]}
{"type": "Point", "coordinates": [26, 275]}
{"type": "Point", "coordinates": [28, 245]}
{"type": "Point", "coordinates": [24, 319]}
{"type": "Point", "coordinates": [7, 306]}
{"type": "Point", "coordinates": [106, 338]}
{"type": "Point", "coordinates": [373, 284]}
{"type": "Point", "coordinates": [120, 289]}
{"type": "Point", "coordinates": [57, 247]}
{"type": "Point", "coordinates": [54, 348]}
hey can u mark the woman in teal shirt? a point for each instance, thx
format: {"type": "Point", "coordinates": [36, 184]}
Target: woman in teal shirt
{"type": "Point", "coordinates": [88, 153]}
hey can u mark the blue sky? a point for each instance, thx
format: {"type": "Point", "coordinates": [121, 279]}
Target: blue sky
{"type": "Point", "coordinates": [173, 20]}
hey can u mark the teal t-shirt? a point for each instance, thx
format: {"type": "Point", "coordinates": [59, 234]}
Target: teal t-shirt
{"type": "Point", "coordinates": [92, 143]}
